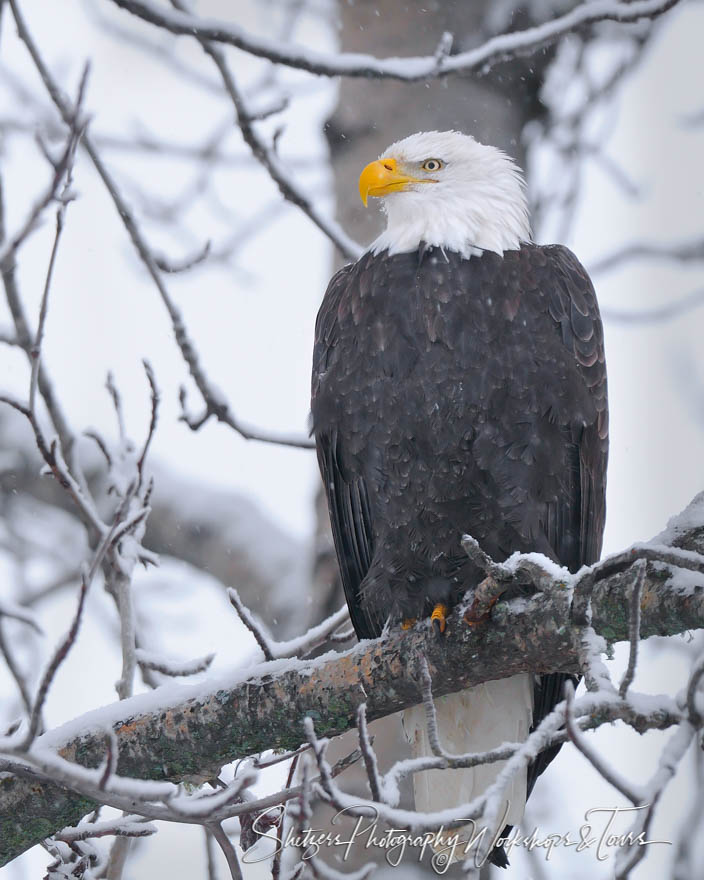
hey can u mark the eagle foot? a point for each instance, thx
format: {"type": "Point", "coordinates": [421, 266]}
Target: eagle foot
{"type": "Point", "coordinates": [438, 618]}
{"type": "Point", "coordinates": [408, 623]}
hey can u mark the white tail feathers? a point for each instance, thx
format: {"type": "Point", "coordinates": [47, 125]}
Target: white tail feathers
{"type": "Point", "coordinates": [475, 720]}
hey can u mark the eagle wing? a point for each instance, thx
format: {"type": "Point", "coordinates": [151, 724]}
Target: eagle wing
{"type": "Point", "coordinates": [348, 499]}
{"type": "Point", "coordinates": [574, 525]}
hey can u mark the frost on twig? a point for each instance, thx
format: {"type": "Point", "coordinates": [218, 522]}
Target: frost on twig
{"type": "Point", "coordinates": [302, 646]}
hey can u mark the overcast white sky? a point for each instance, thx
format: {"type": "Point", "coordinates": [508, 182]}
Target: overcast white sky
{"type": "Point", "coordinates": [253, 325]}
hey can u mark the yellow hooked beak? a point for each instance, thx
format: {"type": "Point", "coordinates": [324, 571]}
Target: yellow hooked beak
{"type": "Point", "coordinates": [381, 178]}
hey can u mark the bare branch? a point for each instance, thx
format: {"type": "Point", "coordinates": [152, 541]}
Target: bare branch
{"type": "Point", "coordinates": [431, 718]}
{"type": "Point", "coordinates": [15, 672]}
{"type": "Point", "coordinates": [695, 716]}
{"type": "Point", "coordinates": [125, 826]}
{"type": "Point", "coordinates": [9, 249]}
{"type": "Point", "coordinates": [684, 252]}
{"type": "Point", "coordinates": [670, 757]}
{"type": "Point", "coordinates": [114, 393]}
{"type": "Point", "coordinates": [66, 645]}
{"type": "Point", "coordinates": [173, 267]}
{"type": "Point", "coordinates": [59, 656]}
{"type": "Point", "coordinates": [317, 635]}
{"type": "Point", "coordinates": [656, 315]}
{"type": "Point", "coordinates": [215, 404]}
{"type": "Point", "coordinates": [252, 625]}
{"type": "Point", "coordinates": [633, 626]}
{"type": "Point", "coordinates": [19, 613]}
{"type": "Point", "coordinates": [173, 668]}
{"type": "Point", "coordinates": [368, 754]}
{"type": "Point", "coordinates": [227, 848]}
{"type": "Point", "coordinates": [634, 794]}
{"type": "Point", "coordinates": [152, 422]}
{"type": "Point", "coordinates": [66, 196]}
{"type": "Point", "coordinates": [405, 69]}
{"type": "Point", "coordinates": [266, 155]}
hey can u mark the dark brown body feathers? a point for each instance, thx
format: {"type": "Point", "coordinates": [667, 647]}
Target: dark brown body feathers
{"type": "Point", "coordinates": [455, 396]}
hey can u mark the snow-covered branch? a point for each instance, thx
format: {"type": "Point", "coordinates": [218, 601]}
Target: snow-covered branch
{"type": "Point", "coordinates": [181, 732]}
{"type": "Point", "coordinates": [440, 64]}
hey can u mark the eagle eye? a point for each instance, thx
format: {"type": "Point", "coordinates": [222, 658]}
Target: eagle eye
{"type": "Point", "coordinates": [432, 164]}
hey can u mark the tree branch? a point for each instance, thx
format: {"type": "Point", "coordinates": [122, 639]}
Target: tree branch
{"type": "Point", "coordinates": [182, 732]}
{"type": "Point", "coordinates": [215, 404]}
{"type": "Point", "coordinates": [406, 69]}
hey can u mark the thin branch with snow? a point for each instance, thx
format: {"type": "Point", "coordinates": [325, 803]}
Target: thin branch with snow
{"type": "Point", "coordinates": [405, 69]}
{"type": "Point", "coordinates": [216, 725]}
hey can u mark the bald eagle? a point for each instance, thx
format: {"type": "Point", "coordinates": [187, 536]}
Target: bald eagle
{"type": "Point", "coordinates": [459, 387]}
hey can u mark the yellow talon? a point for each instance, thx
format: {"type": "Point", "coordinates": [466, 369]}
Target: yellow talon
{"type": "Point", "coordinates": [408, 623]}
{"type": "Point", "coordinates": [439, 614]}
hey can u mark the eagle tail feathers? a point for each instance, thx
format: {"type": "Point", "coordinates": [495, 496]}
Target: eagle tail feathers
{"type": "Point", "coordinates": [476, 720]}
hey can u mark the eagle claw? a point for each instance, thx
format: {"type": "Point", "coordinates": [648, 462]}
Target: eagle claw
{"type": "Point", "coordinates": [438, 618]}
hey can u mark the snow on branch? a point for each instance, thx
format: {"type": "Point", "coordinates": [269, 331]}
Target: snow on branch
{"type": "Point", "coordinates": [440, 64]}
{"type": "Point", "coordinates": [558, 623]}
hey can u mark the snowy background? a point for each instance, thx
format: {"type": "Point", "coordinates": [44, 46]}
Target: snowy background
{"type": "Point", "coordinates": [253, 324]}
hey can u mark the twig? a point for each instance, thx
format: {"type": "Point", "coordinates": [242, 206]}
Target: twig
{"type": "Point", "coordinates": [100, 443]}
{"type": "Point", "coordinates": [276, 865]}
{"type": "Point", "coordinates": [173, 267]}
{"type": "Point", "coordinates": [692, 300]}
{"type": "Point", "coordinates": [9, 249]}
{"type": "Point", "coordinates": [155, 398]}
{"type": "Point", "coordinates": [368, 754]}
{"type": "Point", "coordinates": [695, 678]}
{"type": "Point", "coordinates": [266, 155]}
{"type": "Point", "coordinates": [252, 625]}
{"type": "Point", "coordinates": [634, 794]}
{"type": "Point", "coordinates": [639, 570]}
{"type": "Point", "coordinates": [121, 587]}
{"type": "Point", "coordinates": [66, 196]}
{"type": "Point", "coordinates": [670, 757]}
{"type": "Point", "coordinates": [117, 860]}
{"type": "Point", "coordinates": [111, 755]}
{"type": "Point", "coordinates": [263, 763]}
{"type": "Point", "coordinates": [125, 826]}
{"type": "Point", "coordinates": [431, 718]}
{"type": "Point", "coordinates": [114, 393]}
{"type": "Point", "coordinates": [24, 341]}
{"type": "Point", "coordinates": [15, 672]}
{"type": "Point", "coordinates": [227, 848]}
{"type": "Point", "coordinates": [690, 251]}
{"type": "Point", "coordinates": [215, 404]}
{"type": "Point", "coordinates": [70, 638]}
{"type": "Point", "coordinates": [210, 853]}
{"type": "Point", "coordinates": [320, 634]}
{"type": "Point", "coordinates": [58, 658]}
{"type": "Point", "coordinates": [173, 668]}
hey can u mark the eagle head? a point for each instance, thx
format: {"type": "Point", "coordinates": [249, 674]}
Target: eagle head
{"type": "Point", "coordinates": [446, 189]}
